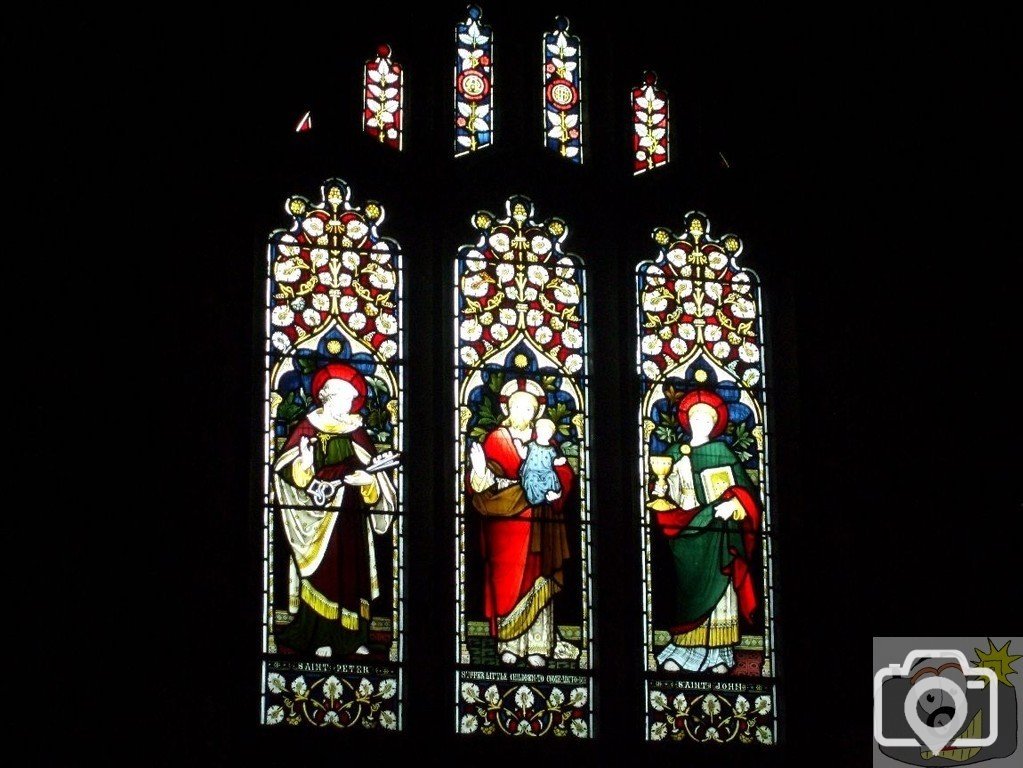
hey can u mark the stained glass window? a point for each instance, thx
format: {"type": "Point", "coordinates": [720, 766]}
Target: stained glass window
{"type": "Point", "coordinates": [649, 125]}
{"type": "Point", "coordinates": [383, 102]}
{"type": "Point", "coordinates": [708, 628]}
{"type": "Point", "coordinates": [332, 543]}
{"type": "Point", "coordinates": [525, 621]}
{"type": "Point", "coordinates": [562, 92]}
{"type": "Point", "coordinates": [474, 84]}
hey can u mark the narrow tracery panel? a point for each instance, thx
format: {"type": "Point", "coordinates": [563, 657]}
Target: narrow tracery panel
{"type": "Point", "coordinates": [562, 92]}
{"type": "Point", "coordinates": [383, 102]}
{"type": "Point", "coordinates": [650, 125]}
{"type": "Point", "coordinates": [474, 84]}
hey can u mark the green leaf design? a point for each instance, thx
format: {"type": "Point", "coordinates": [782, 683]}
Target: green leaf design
{"type": "Point", "coordinates": [478, 433]}
{"type": "Point", "coordinates": [558, 412]}
{"type": "Point", "coordinates": [742, 438]}
{"type": "Point", "coordinates": [291, 408]}
{"type": "Point", "coordinates": [666, 434]}
{"type": "Point", "coordinates": [306, 364]}
{"type": "Point", "coordinates": [496, 381]}
{"type": "Point", "coordinates": [486, 414]}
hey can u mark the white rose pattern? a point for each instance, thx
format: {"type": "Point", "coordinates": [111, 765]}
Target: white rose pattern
{"type": "Point", "coordinates": [282, 316]}
{"type": "Point", "coordinates": [387, 325]}
{"type": "Point", "coordinates": [383, 279]}
{"type": "Point", "coordinates": [520, 294]}
{"type": "Point", "coordinates": [705, 304]}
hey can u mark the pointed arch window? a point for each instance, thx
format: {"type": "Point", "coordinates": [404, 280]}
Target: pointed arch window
{"type": "Point", "coordinates": [522, 522]}
{"type": "Point", "coordinates": [705, 523]}
{"type": "Point", "coordinates": [333, 521]}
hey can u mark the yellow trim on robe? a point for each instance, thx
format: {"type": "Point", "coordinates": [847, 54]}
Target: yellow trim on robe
{"type": "Point", "coordinates": [330, 610]}
{"type": "Point", "coordinates": [524, 614]}
{"type": "Point", "coordinates": [710, 634]}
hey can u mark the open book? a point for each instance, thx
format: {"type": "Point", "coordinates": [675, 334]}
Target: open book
{"type": "Point", "coordinates": [716, 480]}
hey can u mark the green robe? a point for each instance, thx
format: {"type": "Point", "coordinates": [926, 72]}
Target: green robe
{"type": "Point", "coordinates": [703, 549]}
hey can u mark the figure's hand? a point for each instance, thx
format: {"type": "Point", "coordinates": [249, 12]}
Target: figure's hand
{"type": "Point", "coordinates": [478, 459]}
{"type": "Point", "coordinates": [553, 495]}
{"type": "Point", "coordinates": [729, 510]}
{"type": "Point", "coordinates": [560, 461]}
{"type": "Point", "coordinates": [359, 477]}
{"type": "Point", "coordinates": [305, 452]}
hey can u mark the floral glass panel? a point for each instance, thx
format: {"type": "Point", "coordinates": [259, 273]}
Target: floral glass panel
{"type": "Point", "coordinates": [562, 92]}
{"type": "Point", "coordinates": [649, 125]}
{"type": "Point", "coordinates": [332, 512]}
{"type": "Point", "coordinates": [383, 99]}
{"type": "Point", "coordinates": [525, 620]}
{"type": "Point", "coordinates": [705, 523]}
{"type": "Point", "coordinates": [474, 84]}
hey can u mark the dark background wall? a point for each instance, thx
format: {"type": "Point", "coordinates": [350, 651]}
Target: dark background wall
{"type": "Point", "coordinates": [859, 152]}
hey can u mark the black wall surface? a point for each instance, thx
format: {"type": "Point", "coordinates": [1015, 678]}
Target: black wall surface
{"type": "Point", "coordinates": [892, 404]}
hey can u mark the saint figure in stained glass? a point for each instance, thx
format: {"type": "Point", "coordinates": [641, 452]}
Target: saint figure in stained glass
{"type": "Point", "coordinates": [707, 508]}
{"type": "Point", "coordinates": [519, 486]}
{"type": "Point", "coordinates": [334, 494]}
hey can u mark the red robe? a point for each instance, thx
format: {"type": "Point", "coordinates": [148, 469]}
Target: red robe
{"type": "Point", "coordinates": [511, 564]}
{"type": "Point", "coordinates": [343, 573]}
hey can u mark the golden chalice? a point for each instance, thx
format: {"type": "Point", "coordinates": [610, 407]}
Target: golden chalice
{"type": "Point", "coordinates": [660, 466]}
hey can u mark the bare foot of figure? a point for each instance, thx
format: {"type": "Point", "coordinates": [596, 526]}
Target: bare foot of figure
{"type": "Point", "coordinates": [671, 666]}
{"type": "Point", "coordinates": [720, 669]}
{"type": "Point", "coordinates": [324, 650]}
{"type": "Point", "coordinates": [362, 650]}
{"type": "Point", "coordinates": [536, 660]}
{"type": "Point", "coordinates": [508, 657]}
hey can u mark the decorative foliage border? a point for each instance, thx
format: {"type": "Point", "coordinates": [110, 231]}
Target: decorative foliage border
{"type": "Point", "coordinates": [710, 716]}
{"type": "Point", "coordinates": [519, 708]}
{"type": "Point", "coordinates": [334, 700]}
